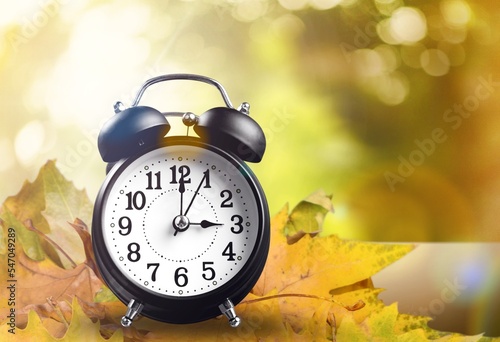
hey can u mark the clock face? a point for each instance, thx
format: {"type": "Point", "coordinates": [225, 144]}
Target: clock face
{"type": "Point", "coordinates": [181, 220]}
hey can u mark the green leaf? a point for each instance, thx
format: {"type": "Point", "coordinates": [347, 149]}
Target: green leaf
{"type": "Point", "coordinates": [49, 202]}
{"type": "Point", "coordinates": [308, 216]}
{"type": "Point", "coordinates": [27, 204]}
{"type": "Point", "coordinates": [63, 204]}
{"type": "Point", "coordinates": [28, 239]}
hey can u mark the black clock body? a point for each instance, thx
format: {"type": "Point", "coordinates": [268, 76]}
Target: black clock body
{"type": "Point", "coordinates": [109, 233]}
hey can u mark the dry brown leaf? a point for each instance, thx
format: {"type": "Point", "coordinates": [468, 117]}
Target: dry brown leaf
{"type": "Point", "coordinates": [50, 201]}
{"type": "Point", "coordinates": [40, 280]}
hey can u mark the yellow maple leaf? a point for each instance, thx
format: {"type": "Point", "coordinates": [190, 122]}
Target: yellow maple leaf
{"type": "Point", "coordinates": [381, 326]}
{"type": "Point", "coordinates": [321, 263]}
{"type": "Point", "coordinates": [261, 321]}
{"type": "Point", "coordinates": [318, 266]}
{"type": "Point", "coordinates": [81, 328]}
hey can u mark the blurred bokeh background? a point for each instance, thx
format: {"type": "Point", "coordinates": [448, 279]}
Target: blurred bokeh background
{"type": "Point", "coordinates": [391, 106]}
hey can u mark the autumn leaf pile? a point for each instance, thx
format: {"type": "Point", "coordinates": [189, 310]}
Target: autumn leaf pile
{"type": "Point", "coordinates": [313, 288]}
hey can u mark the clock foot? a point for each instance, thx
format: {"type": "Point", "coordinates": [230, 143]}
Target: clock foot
{"type": "Point", "coordinates": [227, 309]}
{"type": "Point", "coordinates": [133, 309]}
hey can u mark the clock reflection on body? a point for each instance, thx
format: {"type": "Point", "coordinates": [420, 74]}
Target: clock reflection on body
{"type": "Point", "coordinates": [181, 225]}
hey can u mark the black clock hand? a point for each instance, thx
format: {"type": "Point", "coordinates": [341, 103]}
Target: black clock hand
{"type": "Point", "coordinates": [196, 192]}
{"type": "Point", "coordinates": [180, 223]}
{"type": "Point", "coordinates": [206, 224]}
{"type": "Point", "coordinates": [182, 189]}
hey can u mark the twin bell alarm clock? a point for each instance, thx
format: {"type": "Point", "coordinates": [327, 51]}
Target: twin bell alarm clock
{"type": "Point", "coordinates": [180, 227]}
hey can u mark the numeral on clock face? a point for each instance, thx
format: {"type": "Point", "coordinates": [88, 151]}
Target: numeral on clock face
{"type": "Point", "coordinates": [184, 172]}
{"type": "Point", "coordinates": [155, 268]}
{"type": "Point", "coordinates": [135, 200]}
{"type": "Point", "coordinates": [156, 181]}
{"type": "Point", "coordinates": [133, 252]}
{"type": "Point", "coordinates": [180, 277]}
{"type": "Point", "coordinates": [227, 195]}
{"type": "Point", "coordinates": [125, 225]}
{"type": "Point", "coordinates": [208, 272]}
{"type": "Point", "coordinates": [182, 221]}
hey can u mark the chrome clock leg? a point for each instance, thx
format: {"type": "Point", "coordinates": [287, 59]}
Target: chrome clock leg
{"type": "Point", "coordinates": [133, 309]}
{"type": "Point", "coordinates": [227, 309]}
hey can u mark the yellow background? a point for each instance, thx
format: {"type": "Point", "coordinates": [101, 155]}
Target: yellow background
{"type": "Point", "coordinates": [392, 107]}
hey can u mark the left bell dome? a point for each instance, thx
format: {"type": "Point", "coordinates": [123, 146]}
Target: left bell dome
{"type": "Point", "coordinates": [129, 131]}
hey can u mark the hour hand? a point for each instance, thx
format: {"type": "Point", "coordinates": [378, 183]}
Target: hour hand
{"type": "Point", "coordinates": [206, 224]}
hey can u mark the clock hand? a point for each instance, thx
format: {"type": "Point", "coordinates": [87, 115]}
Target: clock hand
{"type": "Point", "coordinates": [196, 192]}
{"type": "Point", "coordinates": [182, 189]}
{"type": "Point", "coordinates": [206, 224]}
{"type": "Point", "coordinates": [179, 222]}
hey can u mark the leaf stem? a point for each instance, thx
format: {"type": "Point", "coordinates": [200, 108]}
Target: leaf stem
{"type": "Point", "coordinates": [333, 324]}
{"type": "Point", "coordinates": [358, 305]}
{"type": "Point", "coordinates": [58, 311]}
{"type": "Point", "coordinates": [29, 224]}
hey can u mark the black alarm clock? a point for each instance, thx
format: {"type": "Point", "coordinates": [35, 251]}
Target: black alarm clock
{"type": "Point", "coordinates": [180, 227]}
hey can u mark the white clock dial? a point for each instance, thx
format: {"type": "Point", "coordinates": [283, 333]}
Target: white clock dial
{"type": "Point", "coordinates": [181, 220]}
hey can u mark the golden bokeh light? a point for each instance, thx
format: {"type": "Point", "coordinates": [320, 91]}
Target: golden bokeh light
{"type": "Point", "coordinates": [456, 13]}
{"type": "Point", "coordinates": [407, 25]}
{"type": "Point", "coordinates": [392, 89]}
{"type": "Point", "coordinates": [435, 62]}
{"type": "Point", "coordinates": [29, 142]}
{"type": "Point", "coordinates": [248, 11]}
{"type": "Point", "coordinates": [324, 4]}
{"type": "Point", "coordinates": [293, 5]}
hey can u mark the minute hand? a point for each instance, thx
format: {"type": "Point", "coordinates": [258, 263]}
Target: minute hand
{"type": "Point", "coordinates": [205, 175]}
